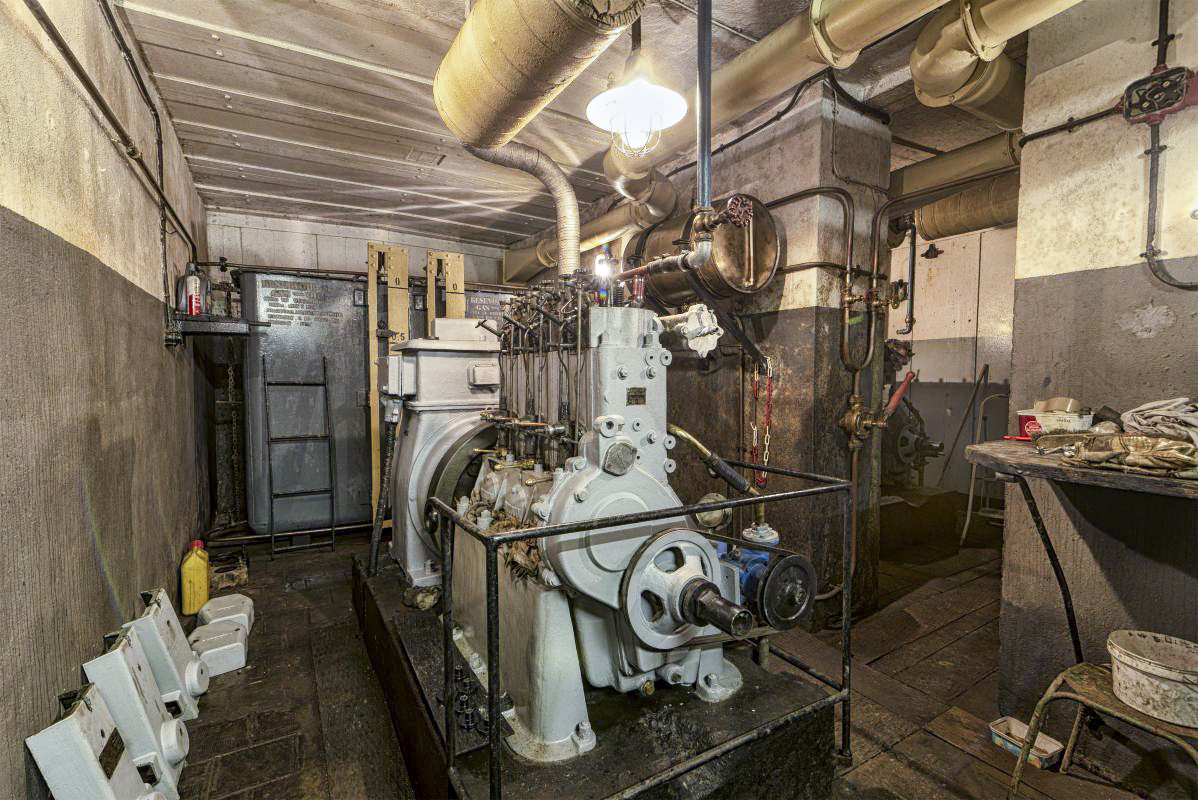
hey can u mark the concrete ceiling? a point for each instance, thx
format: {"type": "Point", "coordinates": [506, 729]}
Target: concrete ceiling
{"type": "Point", "coordinates": [323, 109]}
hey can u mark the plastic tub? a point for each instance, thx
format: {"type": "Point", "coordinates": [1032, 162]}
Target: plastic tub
{"type": "Point", "coordinates": [1156, 674]}
{"type": "Point", "coordinates": [1010, 734]}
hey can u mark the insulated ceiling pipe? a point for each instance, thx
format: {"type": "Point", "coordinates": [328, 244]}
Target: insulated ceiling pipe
{"type": "Point", "coordinates": [990, 204]}
{"type": "Point", "coordinates": [511, 58]}
{"type": "Point", "coordinates": [988, 155]}
{"type": "Point", "coordinates": [832, 32]}
{"type": "Point", "coordinates": [521, 263]}
{"type": "Point", "coordinates": [531, 160]}
{"type": "Point", "coordinates": [958, 57]}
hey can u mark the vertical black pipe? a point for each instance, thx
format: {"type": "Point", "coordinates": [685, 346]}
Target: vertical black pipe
{"type": "Point", "coordinates": [451, 717]}
{"type": "Point", "coordinates": [703, 118]}
{"type": "Point", "coordinates": [493, 704]}
{"type": "Point", "coordinates": [147, 98]}
{"type": "Point", "coordinates": [1151, 255]}
{"type": "Point", "coordinates": [846, 621]}
{"type": "Point", "coordinates": [1163, 37]}
{"type": "Point", "coordinates": [129, 146]}
{"type": "Point", "coordinates": [380, 509]}
{"type": "Point", "coordinates": [1057, 570]}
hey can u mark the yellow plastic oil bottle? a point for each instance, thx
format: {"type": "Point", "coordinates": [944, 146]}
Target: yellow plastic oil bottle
{"type": "Point", "coordinates": [193, 575]}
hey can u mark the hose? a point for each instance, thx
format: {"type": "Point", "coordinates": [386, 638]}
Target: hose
{"type": "Point", "coordinates": [390, 446]}
{"type": "Point", "coordinates": [721, 468]}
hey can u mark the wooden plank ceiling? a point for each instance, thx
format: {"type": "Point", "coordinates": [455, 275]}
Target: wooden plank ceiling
{"type": "Point", "coordinates": [323, 110]}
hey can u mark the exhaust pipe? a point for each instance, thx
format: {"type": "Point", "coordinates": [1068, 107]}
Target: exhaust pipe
{"type": "Point", "coordinates": [531, 160]}
{"type": "Point", "coordinates": [997, 152]}
{"type": "Point", "coordinates": [959, 60]}
{"type": "Point", "coordinates": [658, 203]}
{"type": "Point", "coordinates": [994, 203]}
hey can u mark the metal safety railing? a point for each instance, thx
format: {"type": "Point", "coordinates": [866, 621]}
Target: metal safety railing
{"type": "Point", "coordinates": [448, 518]}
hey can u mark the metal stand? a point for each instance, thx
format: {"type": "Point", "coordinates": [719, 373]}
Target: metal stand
{"type": "Point", "coordinates": [449, 522]}
{"type": "Point", "coordinates": [329, 440]}
{"type": "Point", "coordinates": [1089, 685]}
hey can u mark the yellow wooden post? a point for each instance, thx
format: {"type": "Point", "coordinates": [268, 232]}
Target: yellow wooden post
{"type": "Point", "coordinates": [455, 285]}
{"type": "Point", "coordinates": [398, 295]}
{"type": "Point", "coordinates": [452, 268]}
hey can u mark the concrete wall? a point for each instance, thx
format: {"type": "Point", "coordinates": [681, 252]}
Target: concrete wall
{"type": "Point", "coordinates": [281, 242]}
{"type": "Point", "coordinates": [964, 305]}
{"type": "Point", "coordinates": [796, 321]}
{"type": "Point", "coordinates": [1092, 323]}
{"type": "Point", "coordinates": [102, 475]}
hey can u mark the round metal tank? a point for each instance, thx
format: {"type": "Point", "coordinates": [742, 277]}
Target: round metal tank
{"type": "Point", "coordinates": [743, 260]}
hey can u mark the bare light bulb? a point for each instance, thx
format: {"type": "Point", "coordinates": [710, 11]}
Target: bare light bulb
{"type": "Point", "coordinates": [602, 267]}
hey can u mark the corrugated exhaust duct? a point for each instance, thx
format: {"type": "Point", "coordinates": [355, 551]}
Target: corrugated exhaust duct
{"type": "Point", "coordinates": [533, 161]}
{"type": "Point", "coordinates": [660, 201]}
{"type": "Point", "coordinates": [958, 57]}
{"type": "Point", "coordinates": [988, 155]}
{"type": "Point", "coordinates": [993, 203]}
{"type": "Point", "coordinates": [511, 58]}
{"type": "Point", "coordinates": [831, 33]}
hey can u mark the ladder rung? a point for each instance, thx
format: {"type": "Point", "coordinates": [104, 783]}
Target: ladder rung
{"type": "Point", "coordinates": [308, 438]}
{"type": "Point", "coordinates": [306, 493]}
{"type": "Point", "coordinates": [295, 383]}
{"type": "Point", "coordinates": [294, 547]}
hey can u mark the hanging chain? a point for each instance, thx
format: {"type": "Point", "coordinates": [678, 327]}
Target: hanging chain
{"type": "Point", "coordinates": [761, 478]}
{"type": "Point", "coordinates": [756, 386]}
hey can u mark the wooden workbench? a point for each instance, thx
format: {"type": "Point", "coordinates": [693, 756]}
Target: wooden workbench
{"type": "Point", "coordinates": [1085, 552]}
{"type": "Point", "coordinates": [1021, 458]}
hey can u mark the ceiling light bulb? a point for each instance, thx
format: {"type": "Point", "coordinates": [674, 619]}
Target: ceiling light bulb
{"type": "Point", "coordinates": [635, 113]}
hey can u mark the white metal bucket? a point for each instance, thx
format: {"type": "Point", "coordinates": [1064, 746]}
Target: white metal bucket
{"type": "Point", "coordinates": [1156, 674]}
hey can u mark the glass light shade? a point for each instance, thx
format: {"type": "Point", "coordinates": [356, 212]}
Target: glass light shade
{"type": "Point", "coordinates": [636, 113]}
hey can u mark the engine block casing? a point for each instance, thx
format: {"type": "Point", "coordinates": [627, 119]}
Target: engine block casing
{"type": "Point", "coordinates": [607, 604]}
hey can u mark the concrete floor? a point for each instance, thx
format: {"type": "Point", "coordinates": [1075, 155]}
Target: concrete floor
{"type": "Point", "coordinates": [306, 719]}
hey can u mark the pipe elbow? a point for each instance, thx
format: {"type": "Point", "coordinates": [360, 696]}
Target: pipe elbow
{"type": "Point", "coordinates": [531, 160]}
{"type": "Point", "coordinates": [958, 57]}
{"type": "Point", "coordinates": [699, 255]}
{"type": "Point", "coordinates": [629, 176]}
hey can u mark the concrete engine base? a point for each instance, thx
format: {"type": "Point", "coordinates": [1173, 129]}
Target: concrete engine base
{"type": "Point", "coordinates": [639, 738]}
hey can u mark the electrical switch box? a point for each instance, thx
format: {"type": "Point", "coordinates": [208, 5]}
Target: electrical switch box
{"type": "Point", "coordinates": [83, 756]}
{"type": "Point", "coordinates": [181, 675]}
{"type": "Point", "coordinates": [156, 741]}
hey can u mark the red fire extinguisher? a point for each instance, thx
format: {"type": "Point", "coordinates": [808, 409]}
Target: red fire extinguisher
{"type": "Point", "coordinates": [193, 292]}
